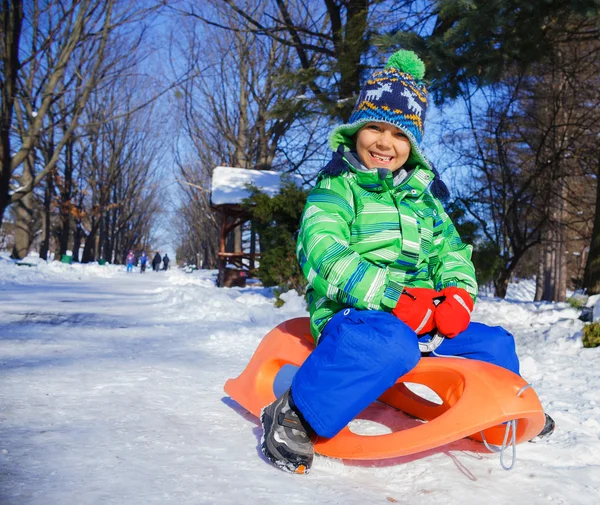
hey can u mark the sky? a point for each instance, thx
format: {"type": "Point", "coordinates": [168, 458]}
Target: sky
{"type": "Point", "coordinates": [111, 392]}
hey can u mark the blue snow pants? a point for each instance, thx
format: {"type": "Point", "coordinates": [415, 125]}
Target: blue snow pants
{"type": "Point", "coordinates": [361, 353]}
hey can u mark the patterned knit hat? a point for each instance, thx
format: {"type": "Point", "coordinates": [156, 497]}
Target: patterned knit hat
{"type": "Point", "coordinates": [394, 95]}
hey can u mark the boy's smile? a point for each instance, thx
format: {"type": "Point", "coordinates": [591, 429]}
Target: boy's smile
{"type": "Point", "coordinates": [382, 145]}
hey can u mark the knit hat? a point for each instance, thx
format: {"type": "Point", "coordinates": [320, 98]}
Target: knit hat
{"type": "Point", "coordinates": [394, 95]}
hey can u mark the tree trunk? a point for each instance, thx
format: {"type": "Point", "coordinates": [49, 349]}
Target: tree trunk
{"type": "Point", "coordinates": [102, 238]}
{"type": "Point", "coordinates": [205, 258]}
{"type": "Point", "coordinates": [3, 198]}
{"type": "Point", "coordinates": [116, 256]}
{"type": "Point", "coordinates": [77, 236]}
{"type": "Point", "coordinates": [10, 36]}
{"type": "Point", "coordinates": [113, 218]}
{"type": "Point", "coordinates": [47, 210]}
{"type": "Point", "coordinates": [539, 280]}
{"type": "Point", "coordinates": [560, 287]}
{"type": "Point", "coordinates": [553, 271]}
{"type": "Point", "coordinates": [22, 227]}
{"type": "Point", "coordinates": [96, 254]}
{"type": "Point", "coordinates": [90, 243]}
{"type": "Point", "coordinates": [501, 283]}
{"type": "Point", "coordinates": [591, 280]}
{"type": "Point", "coordinates": [66, 195]}
{"type": "Point", "coordinates": [24, 213]}
{"type": "Point", "coordinates": [549, 255]}
{"type": "Point", "coordinates": [4, 174]}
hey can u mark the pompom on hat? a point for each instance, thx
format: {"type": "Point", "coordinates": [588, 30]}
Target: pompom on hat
{"type": "Point", "coordinates": [394, 95]}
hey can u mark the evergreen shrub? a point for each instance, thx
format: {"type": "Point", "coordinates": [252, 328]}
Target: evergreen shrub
{"type": "Point", "coordinates": [488, 261]}
{"type": "Point", "coordinates": [277, 220]}
{"type": "Point", "coordinates": [591, 335]}
{"type": "Point", "coordinates": [487, 258]}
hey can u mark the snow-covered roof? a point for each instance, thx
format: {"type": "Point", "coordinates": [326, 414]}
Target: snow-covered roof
{"type": "Point", "coordinates": [229, 183]}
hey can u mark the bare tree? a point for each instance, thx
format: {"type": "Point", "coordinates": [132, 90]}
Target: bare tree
{"type": "Point", "coordinates": [40, 65]}
{"type": "Point", "coordinates": [236, 112]}
{"type": "Point", "coordinates": [117, 186]}
{"type": "Point", "coordinates": [501, 186]}
{"type": "Point", "coordinates": [563, 107]}
{"type": "Point", "coordinates": [526, 150]}
{"type": "Point", "coordinates": [329, 41]}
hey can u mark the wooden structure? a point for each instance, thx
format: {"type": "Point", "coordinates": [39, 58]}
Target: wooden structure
{"type": "Point", "coordinates": [232, 216]}
{"type": "Point", "coordinates": [229, 187]}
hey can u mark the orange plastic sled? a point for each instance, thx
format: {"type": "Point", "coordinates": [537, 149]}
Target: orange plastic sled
{"type": "Point", "coordinates": [476, 397]}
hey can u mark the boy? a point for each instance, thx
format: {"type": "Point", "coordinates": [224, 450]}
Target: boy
{"type": "Point", "coordinates": [378, 251]}
{"type": "Point", "coordinates": [143, 262]}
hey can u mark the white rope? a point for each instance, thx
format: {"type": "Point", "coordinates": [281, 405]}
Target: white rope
{"type": "Point", "coordinates": [447, 355]}
{"type": "Point", "coordinates": [510, 425]}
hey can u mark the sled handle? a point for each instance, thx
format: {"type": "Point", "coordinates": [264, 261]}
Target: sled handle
{"type": "Point", "coordinates": [435, 341]}
{"type": "Point", "coordinates": [431, 345]}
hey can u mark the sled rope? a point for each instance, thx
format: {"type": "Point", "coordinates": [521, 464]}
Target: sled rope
{"type": "Point", "coordinates": [510, 425]}
{"type": "Point", "coordinates": [447, 355]}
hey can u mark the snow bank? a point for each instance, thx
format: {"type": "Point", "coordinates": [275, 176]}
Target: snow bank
{"type": "Point", "coordinates": [33, 269]}
{"type": "Point", "coordinates": [112, 392]}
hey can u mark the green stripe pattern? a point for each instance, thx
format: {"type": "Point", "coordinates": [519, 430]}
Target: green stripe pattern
{"type": "Point", "coordinates": [363, 239]}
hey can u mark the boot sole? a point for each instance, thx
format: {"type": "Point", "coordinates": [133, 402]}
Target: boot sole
{"type": "Point", "coordinates": [285, 466]}
{"type": "Point", "coordinates": [546, 432]}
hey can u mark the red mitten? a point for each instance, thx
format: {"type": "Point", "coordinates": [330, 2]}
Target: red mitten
{"type": "Point", "coordinates": [416, 308]}
{"type": "Point", "coordinates": [454, 314]}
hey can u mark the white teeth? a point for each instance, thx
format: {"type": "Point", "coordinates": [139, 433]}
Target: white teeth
{"type": "Point", "coordinates": [382, 158]}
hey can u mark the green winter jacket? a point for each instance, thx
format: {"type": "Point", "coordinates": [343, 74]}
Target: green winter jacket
{"type": "Point", "coordinates": [362, 240]}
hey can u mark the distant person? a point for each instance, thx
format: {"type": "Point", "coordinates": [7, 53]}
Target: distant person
{"type": "Point", "coordinates": [130, 261]}
{"type": "Point", "coordinates": [166, 262]}
{"type": "Point", "coordinates": [156, 262]}
{"type": "Point", "coordinates": [143, 262]}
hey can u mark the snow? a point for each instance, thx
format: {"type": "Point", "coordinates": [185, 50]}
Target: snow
{"type": "Point", "coordinates": [594, 302]}
{"type": "Point", "coordinates": [112, 393]}
{"type": "Point", "coordinates": [229, 183]}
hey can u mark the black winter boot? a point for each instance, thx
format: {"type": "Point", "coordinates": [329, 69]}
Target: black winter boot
{"type": "Point", "coordinates": [287, 439]}
{"type": "Point", "coordinates": [547, 430]}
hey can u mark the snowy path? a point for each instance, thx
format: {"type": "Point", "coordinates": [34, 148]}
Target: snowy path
{"type": "Point", "coordinates": [111, 392]}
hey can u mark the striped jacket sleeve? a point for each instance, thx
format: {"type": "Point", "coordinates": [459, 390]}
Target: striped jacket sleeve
{"type": "Point", "coordinates": [331, 267]}
{"type": "Point", "coordinates": [451, 260]}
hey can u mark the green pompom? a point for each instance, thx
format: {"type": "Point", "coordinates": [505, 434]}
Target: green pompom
{"type": "Point", "coordinates": [408, 62]}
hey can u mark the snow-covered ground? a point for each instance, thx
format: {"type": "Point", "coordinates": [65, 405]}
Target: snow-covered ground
{"type": "Point", "coordinates": [111, 392]}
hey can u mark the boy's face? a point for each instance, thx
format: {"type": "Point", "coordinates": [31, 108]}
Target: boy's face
{"type": "Point", "coordinates": [382, 145]}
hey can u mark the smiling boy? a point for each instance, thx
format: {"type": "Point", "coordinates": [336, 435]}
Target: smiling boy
{"type": "Point", "coordinates": [377, 248]}
{"type": "Point", "coordinates": [382, 145]}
